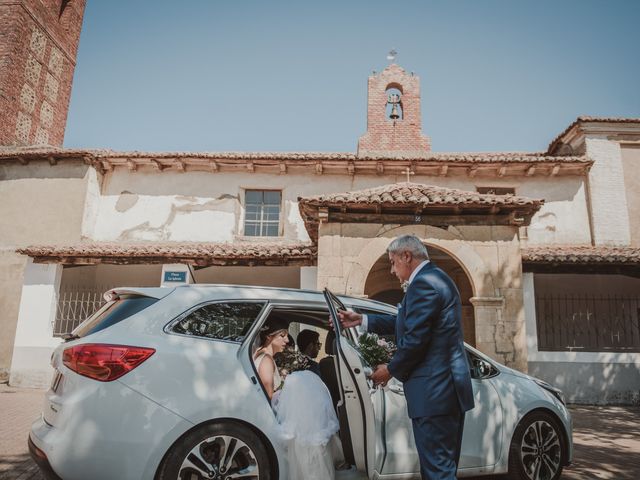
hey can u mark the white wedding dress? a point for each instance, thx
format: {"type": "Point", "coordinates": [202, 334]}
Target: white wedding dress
{"type": "Point", "coordinates": [308, 425]}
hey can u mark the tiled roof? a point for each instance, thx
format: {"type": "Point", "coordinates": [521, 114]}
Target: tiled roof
{"type": "Point", "coordinates": [411, 203]}
{"type": "Point", "coordinates": [238, 253]}
{"type": "Point", "coordinates": [586, 119]}
{"type": "Point", "coordinates": [581, 254]}
{"type": "Point", "coordinates": [445, 157]}
{"type": "Point", "coordinates": [417, 194]}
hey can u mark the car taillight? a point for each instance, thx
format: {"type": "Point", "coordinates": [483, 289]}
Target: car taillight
{"type": "Point", "coordinates": [104, 362]}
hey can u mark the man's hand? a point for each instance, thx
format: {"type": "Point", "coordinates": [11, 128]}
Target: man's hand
{"type": "Point", "coordinates": [348, 319]}
{"type": "Point", "coordinates": [381, 375]}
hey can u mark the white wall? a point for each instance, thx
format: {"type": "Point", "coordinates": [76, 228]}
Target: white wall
{"type": "Point", "coordinates": [204, 206]}
{"type": "Point", "coordinates": [585, 377]}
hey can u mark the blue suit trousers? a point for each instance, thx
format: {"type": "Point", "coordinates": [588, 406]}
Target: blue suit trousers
{"type": "Point", "coordinates": [438, 441]}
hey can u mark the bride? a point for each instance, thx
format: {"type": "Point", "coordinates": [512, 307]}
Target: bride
{"type": "Point", "coordinates": [303, 408]}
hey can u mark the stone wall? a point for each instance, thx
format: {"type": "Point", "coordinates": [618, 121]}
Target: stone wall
{"type": "Point", "coordinates": [489, 255]}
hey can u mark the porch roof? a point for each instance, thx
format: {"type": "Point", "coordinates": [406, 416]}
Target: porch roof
{"type": "Point", "coordinates": [197, 254]}
{"type": "Point", "coordinates": [582, 259]}
{"type": "Point", "coordinates": [414, 203]}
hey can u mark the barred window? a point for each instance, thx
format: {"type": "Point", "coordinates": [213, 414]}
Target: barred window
{"type": "Point", "coordinates": [221, 321]}
{"type": "Point", "coordinates": [262, 213]}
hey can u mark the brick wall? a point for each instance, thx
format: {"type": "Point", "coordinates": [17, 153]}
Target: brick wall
{"type": "Point", "coordinates": [387, 137]}
{"type": "Point", "coordinates": [38, 47]}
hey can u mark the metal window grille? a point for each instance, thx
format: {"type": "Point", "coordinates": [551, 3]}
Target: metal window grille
{"type": "Point", "coordinates": [589, 323]}
{"type": "Point", "coordinates": [262, 213]}
{"type": "Point", "coordinates": [75, 304]}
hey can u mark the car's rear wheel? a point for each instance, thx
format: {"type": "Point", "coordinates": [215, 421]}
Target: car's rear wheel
{"type": "Point", "coordinates": [537, 449]}
{"type": "Point", "coordinates": [220, 451]}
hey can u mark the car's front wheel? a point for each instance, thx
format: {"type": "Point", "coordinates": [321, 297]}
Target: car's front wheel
{"type": "Point", "coordinates": [537, 449]}
{"type": "Point", "coordinates": [220, 451]}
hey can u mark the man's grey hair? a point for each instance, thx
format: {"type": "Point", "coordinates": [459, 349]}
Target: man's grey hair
{"type": "Point", "coordinates": [411, 244]}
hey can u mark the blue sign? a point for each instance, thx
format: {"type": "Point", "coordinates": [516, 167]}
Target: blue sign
{"type": "Point", "coordinates": [175, 277]}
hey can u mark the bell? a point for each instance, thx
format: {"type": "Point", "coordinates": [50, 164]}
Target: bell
{"type": "Point", "coordinates": [394, 112]}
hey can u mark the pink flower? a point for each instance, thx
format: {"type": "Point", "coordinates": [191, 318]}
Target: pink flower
{"type": "Point", "coordinates": [382, 342]}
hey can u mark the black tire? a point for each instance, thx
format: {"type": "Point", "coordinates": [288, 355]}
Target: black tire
{"type": "Point", "coordinates": [538, 449]}
{"type": "Point", "coordinates": [223, 448]}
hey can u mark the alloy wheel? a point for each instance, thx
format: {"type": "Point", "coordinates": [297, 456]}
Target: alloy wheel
{"type": "Point", "coordinates": [540, 451]}
{"type": "Point", "coordinates": [221, 457]}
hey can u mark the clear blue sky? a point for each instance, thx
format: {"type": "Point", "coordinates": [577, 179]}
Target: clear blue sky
{"type": "Point", "coordinates": [209, 75]}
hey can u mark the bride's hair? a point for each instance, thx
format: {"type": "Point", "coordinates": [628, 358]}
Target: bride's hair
{"type": "Point", "coordinates": [272, 326]}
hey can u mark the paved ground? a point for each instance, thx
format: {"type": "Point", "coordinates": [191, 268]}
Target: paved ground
{"type": "Point", "coordinates": [607, 439]}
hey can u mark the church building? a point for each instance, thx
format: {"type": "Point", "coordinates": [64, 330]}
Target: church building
{"type": "Point", "coordinates": [543, 246]}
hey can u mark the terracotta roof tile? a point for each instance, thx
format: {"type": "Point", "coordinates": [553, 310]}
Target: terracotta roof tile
{"type": "Point", "coordinates": [581, 254]}
{"type": "Point", "coordinates": [444, 157]}
{"type": "Point", "coordinates": [417, 194]}
{"type": "Point", "coordinates": [584, 119]}
{"type": "Point", "coordinates": [238, 253]}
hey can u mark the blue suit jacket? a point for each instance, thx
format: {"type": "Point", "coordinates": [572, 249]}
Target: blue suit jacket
{"type": "Point", "coordinates": [431, 360]}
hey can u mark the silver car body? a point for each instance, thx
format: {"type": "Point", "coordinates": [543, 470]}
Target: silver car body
{"type": "Point", "coordinates": [122, 429]}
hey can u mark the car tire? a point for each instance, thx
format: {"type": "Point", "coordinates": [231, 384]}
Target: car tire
{"type": "Point", "coordinates": [537, 450]}
{"type": "Point", "coordinates": [217, 450]}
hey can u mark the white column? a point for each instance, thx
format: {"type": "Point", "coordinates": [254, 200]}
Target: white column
{"type": "Point", "coordinates": [309, 278]}
{"type": "Point", "coordinates": [609, 209]}
{"type": "Point", "coordinates": [176, 274]}
{"type": "Point", "coordinates": [529, 294]}
{"type": "Point", "coordinates": [34, 341]}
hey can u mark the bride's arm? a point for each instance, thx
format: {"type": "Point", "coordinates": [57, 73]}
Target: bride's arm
{"type": "Point", "coordinates": [265, 371]}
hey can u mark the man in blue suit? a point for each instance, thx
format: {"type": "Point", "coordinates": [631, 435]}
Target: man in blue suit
{"type": "Point", "coordinates": [430, 360]}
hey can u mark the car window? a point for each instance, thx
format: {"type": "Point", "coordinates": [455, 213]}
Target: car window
{"type": "Point", "coordinates": [480, 368]}
{"type": "Point", "coordinates": [113, 312]}
{"type": "Point", "coordinates": [221, 321]}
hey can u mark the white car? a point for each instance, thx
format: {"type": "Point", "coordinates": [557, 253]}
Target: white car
{"type": "Point", "coordinates": [160, 383]}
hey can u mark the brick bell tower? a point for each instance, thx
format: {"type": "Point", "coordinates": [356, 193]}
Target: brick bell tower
{"type": "Point", "coordinates": [394, 126]}
{"type": "Point", "coordinates": [38, 47]}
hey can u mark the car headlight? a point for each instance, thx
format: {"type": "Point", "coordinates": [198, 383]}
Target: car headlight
{"type": "Point", "coordinates": [556, 392]}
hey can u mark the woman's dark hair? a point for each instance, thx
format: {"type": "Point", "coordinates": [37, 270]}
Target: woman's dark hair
{"type": "Point", "coordinates": [272, 326]}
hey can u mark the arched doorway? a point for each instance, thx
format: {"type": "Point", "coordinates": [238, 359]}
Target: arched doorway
{"type": "Point", "coordinates": [382, 286]}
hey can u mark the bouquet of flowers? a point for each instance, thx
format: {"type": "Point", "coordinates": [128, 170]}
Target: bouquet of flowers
{"type": "Point", "coordinates": [290, 360]}
{"type": "Point", "coordinates": [375, 350]}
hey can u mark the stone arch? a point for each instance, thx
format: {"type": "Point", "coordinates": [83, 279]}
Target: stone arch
{"type": "Point", "coordinates": [477, 270]}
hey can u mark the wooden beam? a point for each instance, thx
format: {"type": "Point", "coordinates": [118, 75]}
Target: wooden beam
{"type": "Point", "coordinates": [502, 171]}
{"type": "Point", "coordinates": [131, 165]}
{"type": "Point", "coordinates": [555, 170]}
{"type": "Point", "coordinates": [531, 170]}
{"type": "Point", "coordinates": [472, 171]}
{"type": "Point", "coordinates": [408, 219]}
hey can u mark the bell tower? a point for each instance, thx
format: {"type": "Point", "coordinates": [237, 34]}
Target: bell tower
{"type": "Point", "coordinates": [38, 47]}
{"type": "Point", "coordinates": [394, 126]}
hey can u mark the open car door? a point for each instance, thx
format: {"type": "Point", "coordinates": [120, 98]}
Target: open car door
{"type": "Point", "coordinates": [360, 404]}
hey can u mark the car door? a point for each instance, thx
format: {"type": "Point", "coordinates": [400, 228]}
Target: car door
{"type": "Point", "coordinates": [363, 405]}
{"type": "Point", "coordinates": [483, 425]}
{"type": "Point", "coordinates": [482, 435]}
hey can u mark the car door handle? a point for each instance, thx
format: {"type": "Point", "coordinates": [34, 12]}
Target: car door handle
{"type": "Point", "coordinates": [396, 389]}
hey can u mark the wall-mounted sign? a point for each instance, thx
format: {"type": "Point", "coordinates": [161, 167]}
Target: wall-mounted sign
{"type": "Point", "coordinates": [175, 277]}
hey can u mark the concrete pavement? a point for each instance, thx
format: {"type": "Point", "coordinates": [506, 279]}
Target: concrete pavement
{"type": "Point", "coordinates": [607, 439]}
